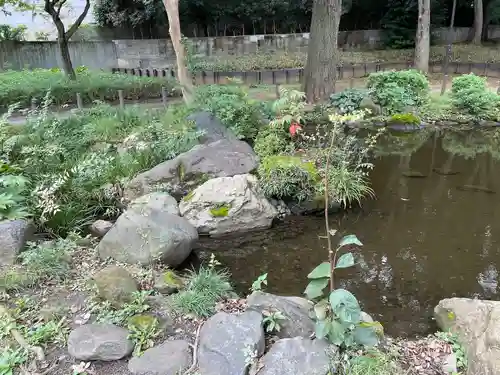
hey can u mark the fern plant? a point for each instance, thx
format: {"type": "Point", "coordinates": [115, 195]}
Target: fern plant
{"type": "Point", "coordinates": [289, 108]}
{"type": "Point", "coordinates": [11, 199]}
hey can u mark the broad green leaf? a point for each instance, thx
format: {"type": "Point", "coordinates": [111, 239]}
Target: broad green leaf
{"type": "Point", "coordinates": [336, 334]}
{"type": "Point", "coordinates": [350, 239]}
{"type": "Point", "coordinates": [345, 261]}
{"type": "Point", "coordinates": [345, 305]}
{"type": "Point", "coordinates": [315, 288]}
{"type": "Point", "coordinates": [321, 271]}
{"type": "Point", "coordinates": [322, 328]}
{"type": "Point", "coordinates": [365, 336]}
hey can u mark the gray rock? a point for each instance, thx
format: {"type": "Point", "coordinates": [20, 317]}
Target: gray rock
{"type": "Point", "coordinates": [477, 324]}
{"type": "Point", "coordinates": [13, 237]}
{"type": "Point", "coordinates": [296, 356]}
{"type": "Point", "coordinates": [224, 340]}
{"type": "Point", "coordinates": [115, 284]}
{"type": "Point", "coordinates": [228, 205]}
{"type": "Point", "coordinates": [223, 158]}
{"type": "Point", "coordinates": [213, 129]}
{"type": "Point", "coordinates": [159, 201]}
{"type": "Point", "coordinates": [169, 358]}
{"type": "Point", "coordinates": [450, 364]}
{"type": "Point", "coordinates": [167, 282]}
{"type": "Point", "coordinates": [100, 227]}
{"type": "Point", "coordinates": [295, 309]}
{"type": "Point", "coordinates": [148, 238]}
{"type": "Point", "coordinates": [99, 342]}
{"type": "Point", "coordinates": [368, 103]}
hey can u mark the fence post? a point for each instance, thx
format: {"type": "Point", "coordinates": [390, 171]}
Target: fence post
{"type": "Point", "coordinates": [121, 99]}
{"type": "Point", "coordinates": [445, 82]}
{"type": "Point", "coordinates": [277, 87]}
{"type": "Point", "coordinates": [164, 96]}
{"type": "Point", "coordinates": [33, 104]}
{"type": "Point", "coordinates": [79, 101]}
{"type": "Point", "coordinates": [498, 89]}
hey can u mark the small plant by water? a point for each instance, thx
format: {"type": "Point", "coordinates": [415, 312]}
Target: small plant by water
{"type": "Point", "coordinates": [273, 320]}
{"type": "Point", "coordinates": [259, 283]}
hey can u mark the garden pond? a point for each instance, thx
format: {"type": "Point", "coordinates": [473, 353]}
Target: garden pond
{"type": "Point", "coordinates": [431, 233]}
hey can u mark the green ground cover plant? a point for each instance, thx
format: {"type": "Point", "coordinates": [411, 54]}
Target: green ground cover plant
{"type": "Point", "coordinates": [75, 166]}
{"type": "Point", "coordinates": [23, 86]}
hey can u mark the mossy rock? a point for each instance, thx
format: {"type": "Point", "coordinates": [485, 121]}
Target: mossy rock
{"type": "Point", "coordinates": [168, 282]}
{"type": "Point", "coordinates": [368, 103]}
{"type": "Point", "coordinates": [220, 210]}
{"type": "Point", "coordinates": [115, 284]}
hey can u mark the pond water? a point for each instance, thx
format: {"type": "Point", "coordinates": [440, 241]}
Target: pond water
{"type": "Point", "coordinates": [432, 232]}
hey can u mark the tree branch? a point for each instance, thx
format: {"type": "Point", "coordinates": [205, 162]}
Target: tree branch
{"type": "Point", "coordinates": [78, 21]}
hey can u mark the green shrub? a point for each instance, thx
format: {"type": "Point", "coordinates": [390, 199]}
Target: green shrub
{"type": "Point", "coordinates": [232, 105]}
{"type": "Point", "coordinates": [396, 90]}
{"type": "Point", "coordinates": [348, 101]}
{"type": "Point", "coordinates": [77, 165]}
{"type": "Point", "coordinates": [272, 141]}
{"type": "Point", "coordinates": [287, 177]}
{"type": "Point", "coordinates": [23, 86]}
{"type": "Point", "coordinates": [49, 260]}
{"type": "Point", "coordinates": [467, 82]}
{"type": "Point", "coordinates": [470, 94]}
{"type": "Point", "coordinates": [204, 289]}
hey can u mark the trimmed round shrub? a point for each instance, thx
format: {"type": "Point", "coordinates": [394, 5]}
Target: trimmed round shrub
{"type": "Point", "coordinates": [467, 82]}
{"type": "Point", "coordinates": [470, 94]}
{"type": "Point", "coordinates": [288, 178]}
{"type": "Point", "coordinates": [396, 90]}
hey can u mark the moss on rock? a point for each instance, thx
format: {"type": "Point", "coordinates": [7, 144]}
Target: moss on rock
{"type": "Point", "coordinates": [221, 210]}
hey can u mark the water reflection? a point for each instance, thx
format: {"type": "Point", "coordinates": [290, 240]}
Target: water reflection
{"type": "Point", "coordinates": [431, 233]}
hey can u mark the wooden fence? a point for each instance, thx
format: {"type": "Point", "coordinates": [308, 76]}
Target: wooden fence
{"type": "Point", "coordinates": [292, 76]}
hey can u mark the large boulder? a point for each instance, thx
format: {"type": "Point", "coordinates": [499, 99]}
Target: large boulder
{"type": "Point", "coordinates": [147, 237]}
{"type": "Point", "coordinates": [13, 237]}
{"type": "Point", "coordinates": [226, 340]}
{"type": "Point", "coordinates": [477, 323]}
{"type": "Point", "coordinates": [190, 169]}
{"type": "Point", "coordinates": [228, 205]}
{"type": "Point", "coordinates": [156, 201]}
{"type": "Point", "coordinates": [115, 284]}
{"type": "Point", "coordinates": [99, 342]}
{"type": "Point", "coordinates": [296, 356]}
{"type": "Point", "coordinates": [170, 358]}
{"type": "Point", "coordinates": [295, 310]}
{"type": "Point", "coordinates": [100, 227]}
{"type": "Point", "coordinates": [213, 129]}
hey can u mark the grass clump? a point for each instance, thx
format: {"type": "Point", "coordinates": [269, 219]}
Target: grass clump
{"type": "Point", "coordinates": [371, 362]}
{"type": "Point", "coordinates": [23, 86]}
{"type": "Point", "coordinates": [287, 177]}
{"type": "Point", "coordinates": [204, 289]}
{"type": "Point", "coordinates": [106, 313]}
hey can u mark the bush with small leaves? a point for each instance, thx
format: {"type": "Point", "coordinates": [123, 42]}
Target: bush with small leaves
{"type": "Point", "coordinates": [288, 178]}
{"type": "Point", "coordinates": [395, 90]}
{"type": "Point", "coordinates": [470, 94]}
{"type": "Point", "coordinates": [272, 141]}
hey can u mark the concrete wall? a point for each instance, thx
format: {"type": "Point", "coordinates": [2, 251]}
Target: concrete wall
{"type": "Point", "coordinates": [158, 53]}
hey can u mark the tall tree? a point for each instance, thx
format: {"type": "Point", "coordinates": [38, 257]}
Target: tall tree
{"type": "Point", "coordinates": [447, 54]}
{"type": "Point", "coordinates": [172, 8]}
{"type": "Point", "coordinates": [478, 21]}
{"type": "Point", "coordinates": [422, 40]}
{"type": "Point", "coordinates": [322, 53]}
{"type": "Point", "coordinates": [53, 8]}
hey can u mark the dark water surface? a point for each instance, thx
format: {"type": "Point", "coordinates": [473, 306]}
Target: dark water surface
{"type": "Point", "coordinates": [426, 237]}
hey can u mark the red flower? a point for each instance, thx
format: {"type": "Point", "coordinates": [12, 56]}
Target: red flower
{"type": "Point", "coordinates": [294, 128]}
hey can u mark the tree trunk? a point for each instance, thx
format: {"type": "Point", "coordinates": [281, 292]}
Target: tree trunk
{"type": "Point", "coordinates": [66, 58]}
{"type": "Point", "coordinates": [447, 54]}
{"type": "Point", "coordinates": [172, 8]}
{"type": "Point", "coordinates": [322, 54]}
{"type": "Point", "coordinates": [422, 39]}
{"type": "Point", "coordinates": [478, 21]}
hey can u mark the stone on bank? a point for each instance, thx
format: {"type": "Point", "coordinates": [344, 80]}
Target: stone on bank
{"type": "Point", "coordinates": [13, 237]}
{"type": "Point", "coordinates": [228, 205]}
{"type": "Point", "coordinates": [477, 324]}
{"type": "Point", "coordinates": [147, 233]}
